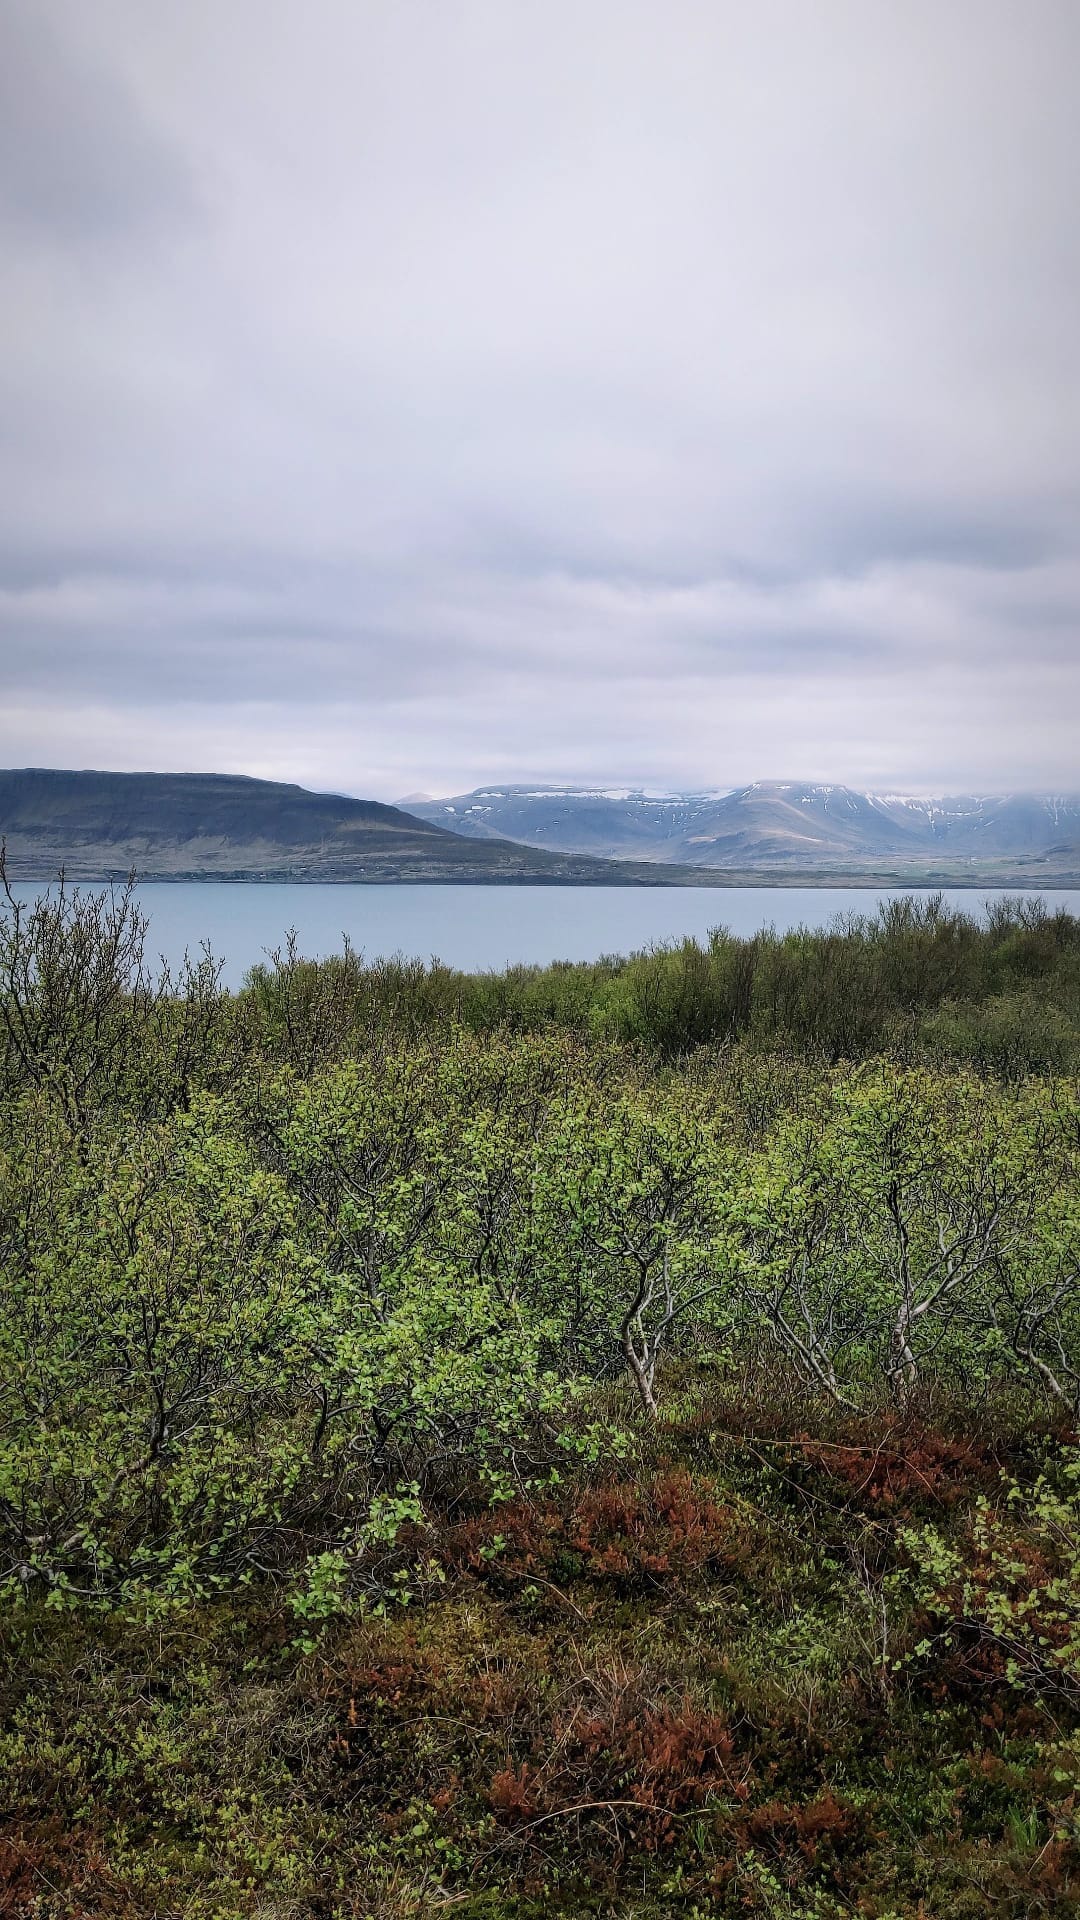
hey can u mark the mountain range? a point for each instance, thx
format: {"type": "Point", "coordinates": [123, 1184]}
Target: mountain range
{"type": "Point", "coordinates": [775, 824]}
{"type": "Point", "coordinates": [188, 826]}
{"type": "Point", "coordinates": [210, 826]}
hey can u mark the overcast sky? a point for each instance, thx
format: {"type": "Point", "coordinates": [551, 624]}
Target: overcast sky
{"type": "Point", "coordinates": [403, 395]}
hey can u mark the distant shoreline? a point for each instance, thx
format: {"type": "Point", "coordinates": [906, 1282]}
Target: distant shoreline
{"type": "Point", "coordinates": [703, 879]}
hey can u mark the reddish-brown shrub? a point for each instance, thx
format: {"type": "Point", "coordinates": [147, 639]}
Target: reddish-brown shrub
{"type": "Point", "coordinates": [46, 1856]}
{"type": "Point", "coordinates": [628, 1535]}
{"type": "Point", "coordinates": [822, 1823]}
{"type": "Point", "coordinates": [646, 1765]}
{"type": "Point", "coordinates": [20, 1879]}
{"type": "Point", "coordinates": [509, 1794]}
{"type": "Point", "coordinates": [902, 1470]}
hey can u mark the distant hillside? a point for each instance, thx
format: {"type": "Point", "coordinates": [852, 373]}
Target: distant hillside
{"type": "Point", "coordinates": [610, 824]}
{"type": "Point", "coordinates": [224, 826]}
{"type": "Point", "coordinates": [782, 825]}
{"type": "Point", "coordinates": [205, 826]}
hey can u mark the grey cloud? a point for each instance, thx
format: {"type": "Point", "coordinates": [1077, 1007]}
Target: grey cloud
{"type": "Point", "coordinates": [402, 397]}
{"type": "Point", "coordinates": [78, 160]}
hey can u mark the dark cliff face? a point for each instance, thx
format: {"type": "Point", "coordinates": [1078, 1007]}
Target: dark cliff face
{"type": "Point", "coordinates": [168, 809]}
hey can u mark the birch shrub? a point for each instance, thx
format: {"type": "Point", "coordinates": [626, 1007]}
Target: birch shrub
{"type": "Point", "coordinates": [227, 1329]}
{"type": "Point", "coordinates": [906, 1223]}
{"type": "Point", "coordinates": [1009, 1580]}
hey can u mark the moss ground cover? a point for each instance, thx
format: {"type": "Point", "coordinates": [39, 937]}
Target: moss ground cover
{"type": "Point", "coordinates": [782, 1673]}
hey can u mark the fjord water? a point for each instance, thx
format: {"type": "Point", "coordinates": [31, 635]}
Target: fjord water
{"type": "Point", "coordinates": [477, 928]}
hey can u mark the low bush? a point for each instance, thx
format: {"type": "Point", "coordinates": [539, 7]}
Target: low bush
{"type": "Point", "coordinates": [581, 1440]}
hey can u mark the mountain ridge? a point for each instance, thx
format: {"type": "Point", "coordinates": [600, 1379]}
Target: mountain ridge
{"type": "Point", "coordinates": [100, 826]}
{"type": "Point", "coordinates": [770, 823]}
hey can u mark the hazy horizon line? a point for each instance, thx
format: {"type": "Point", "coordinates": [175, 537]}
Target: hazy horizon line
{"type": "Point", "coordinates": [609, 789]}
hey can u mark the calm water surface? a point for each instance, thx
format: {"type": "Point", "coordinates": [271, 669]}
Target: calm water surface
{"type": "Point", "coordinates": [481, 927]}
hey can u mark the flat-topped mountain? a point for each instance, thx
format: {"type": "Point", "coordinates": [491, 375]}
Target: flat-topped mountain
{"type": "Point", "coordinates": [776, 824]}
{"type": "Point", "coordinates": [226, 826]}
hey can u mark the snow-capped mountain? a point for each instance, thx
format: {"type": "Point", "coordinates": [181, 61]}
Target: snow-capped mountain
{"type": "Point", "coordinates": [772, 822]}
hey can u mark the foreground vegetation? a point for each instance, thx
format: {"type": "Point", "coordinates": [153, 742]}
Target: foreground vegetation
{"type": "Point", "coordinates": [582, 1441]}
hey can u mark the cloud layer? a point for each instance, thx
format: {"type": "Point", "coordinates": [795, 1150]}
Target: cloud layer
{"type": "Point", "coordinates": [403, 397]}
